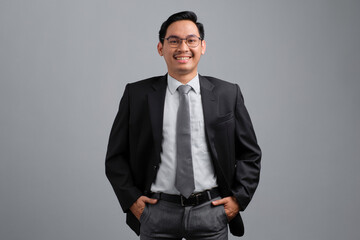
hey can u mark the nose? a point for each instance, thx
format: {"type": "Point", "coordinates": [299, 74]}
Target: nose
{"type": "Point", "coordinates": [183, 45]}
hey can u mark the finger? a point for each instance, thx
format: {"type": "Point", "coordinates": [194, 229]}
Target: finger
{"type": "Point", "coordinates": [219, 202]}
{"type": "Point", "coordinates": [150, 200]}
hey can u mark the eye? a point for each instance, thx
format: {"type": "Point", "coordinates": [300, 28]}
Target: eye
{"type": "Point", "coordinates": [192, 40]}
{"type": "Point", "coordinates": [173, 40]}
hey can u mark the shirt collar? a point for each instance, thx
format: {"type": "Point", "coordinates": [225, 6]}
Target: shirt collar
{"type": "Point", "coordinates": [173, 84]}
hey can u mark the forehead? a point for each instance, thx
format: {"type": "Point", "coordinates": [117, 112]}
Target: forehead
{"type": "Point", "coordinates": [182, 28]}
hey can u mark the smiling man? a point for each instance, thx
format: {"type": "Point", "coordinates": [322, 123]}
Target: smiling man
{"type": "Point", "coordinates": [183, 49]}
{"type": "Point", "coordinates": [182, 157]}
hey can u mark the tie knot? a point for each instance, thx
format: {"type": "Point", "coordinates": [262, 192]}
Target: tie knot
{"type": "Point", "coordinates": [184, 89]}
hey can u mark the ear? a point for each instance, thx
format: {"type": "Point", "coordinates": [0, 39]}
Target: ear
{"type": "Point", "coordinates": [203, 47]}
{"type": "Point", "coordinates": [160, 49]}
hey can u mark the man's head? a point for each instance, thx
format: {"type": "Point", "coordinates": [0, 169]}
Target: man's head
{"type": "Point", "coordinates": [181, 44]}
{"type": "Point", "coordinates": [186, 15]}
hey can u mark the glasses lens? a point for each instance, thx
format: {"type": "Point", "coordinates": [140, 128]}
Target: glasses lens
{"type": "Point", "coordinates": [192, 41]}
{"type": "Point", "coordinates": [173, 41]}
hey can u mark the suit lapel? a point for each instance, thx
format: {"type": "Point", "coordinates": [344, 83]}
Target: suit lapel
{"type": "Point", "coordinates": [156, 101]}
{"type": "Point", "coordinates": [210, 108]}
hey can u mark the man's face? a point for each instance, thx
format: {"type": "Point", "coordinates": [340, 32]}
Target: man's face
{"type": "Point", "coordinates": [182, 60]}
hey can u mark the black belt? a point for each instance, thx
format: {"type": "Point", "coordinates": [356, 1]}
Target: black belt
{"type": "Point", "coordinates": [193, 200]}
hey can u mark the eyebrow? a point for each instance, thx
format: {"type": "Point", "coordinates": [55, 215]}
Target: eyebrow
{"type": "Point", "coordinates": [191, 35]}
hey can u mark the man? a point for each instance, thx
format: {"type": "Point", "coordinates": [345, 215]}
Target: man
{"type": "Point", "coordinates": [182, 156]}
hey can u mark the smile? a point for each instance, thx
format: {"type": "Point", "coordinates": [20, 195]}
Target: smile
{"type": "Point", "coordinates": [182, 58]}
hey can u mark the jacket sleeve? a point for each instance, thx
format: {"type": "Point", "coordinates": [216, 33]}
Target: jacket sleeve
{"type": "Point", "coordinates": [247, 155]}
{"type": "Point", "coordinates": [117, 163]}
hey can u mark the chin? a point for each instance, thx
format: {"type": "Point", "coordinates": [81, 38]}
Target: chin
{"type": "Point", "coordinates": [185, 70]}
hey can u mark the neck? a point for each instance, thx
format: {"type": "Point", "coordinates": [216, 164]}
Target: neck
{"type": "Point", "coordinates": [184, 79]}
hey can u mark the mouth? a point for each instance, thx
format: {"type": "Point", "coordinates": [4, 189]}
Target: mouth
{"type": "Point", "coordinates": [182, 59]}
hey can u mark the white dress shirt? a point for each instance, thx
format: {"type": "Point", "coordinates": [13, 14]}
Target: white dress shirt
{"type": "Point", "coordinates": [204, 174]}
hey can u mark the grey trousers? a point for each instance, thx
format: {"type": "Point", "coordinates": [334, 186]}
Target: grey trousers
{"type": "Point", "coordinates": [166, 220]}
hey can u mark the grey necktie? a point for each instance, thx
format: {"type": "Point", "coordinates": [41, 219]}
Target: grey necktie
{"type": "Point", "coordinates": [184, 181]}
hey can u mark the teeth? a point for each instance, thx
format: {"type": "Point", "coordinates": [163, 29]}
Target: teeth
{"type": "Point", "coordinates": [182, 58]}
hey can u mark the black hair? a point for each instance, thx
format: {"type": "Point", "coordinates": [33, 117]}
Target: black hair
{"type": "Point", "coordinates": [185, 15]}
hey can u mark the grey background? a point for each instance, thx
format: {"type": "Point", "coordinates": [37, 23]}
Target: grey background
{"type": "Point", "coordinates": [63, 68]}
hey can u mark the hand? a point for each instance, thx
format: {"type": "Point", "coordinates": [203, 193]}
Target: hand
{"type": "Point", "coordinates": [231, 206]}
{"type": "Point", "coordinates": [138, 207]}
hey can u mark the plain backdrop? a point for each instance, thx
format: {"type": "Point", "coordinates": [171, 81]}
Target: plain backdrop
{"type": "Point", "coordinates": [63, 69]}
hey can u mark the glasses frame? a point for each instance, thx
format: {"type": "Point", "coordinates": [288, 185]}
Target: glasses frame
{"type": "Point", "coordinates": [183, 39]}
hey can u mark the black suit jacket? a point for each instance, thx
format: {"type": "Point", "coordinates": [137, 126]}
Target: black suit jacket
{"type": "Point", "coordinates": [133, 154]}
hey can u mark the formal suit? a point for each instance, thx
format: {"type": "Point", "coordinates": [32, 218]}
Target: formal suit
{"type": "Point", "coordinates": [133, 155]}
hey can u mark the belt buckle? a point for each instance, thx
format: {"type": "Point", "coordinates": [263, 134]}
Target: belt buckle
{"type": "Point", "coordinates": [194, 196]}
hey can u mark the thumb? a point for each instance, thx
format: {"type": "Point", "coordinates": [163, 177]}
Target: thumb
{"type": "Point", "coordinates": [150, 200]}
{"type": "Point", "coordinates": [219, 202]}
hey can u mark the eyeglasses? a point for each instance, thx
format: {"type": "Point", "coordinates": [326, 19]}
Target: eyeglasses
{"type": "Point", "coordinates": [192, 41]}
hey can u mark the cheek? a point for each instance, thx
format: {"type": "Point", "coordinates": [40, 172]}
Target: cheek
{"type": "Point", "coordinates": [168, 54]}
{"type": "Point", "coordinates": [168, 59]}
{"type": "Point", "coordinates": [197, 55]}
